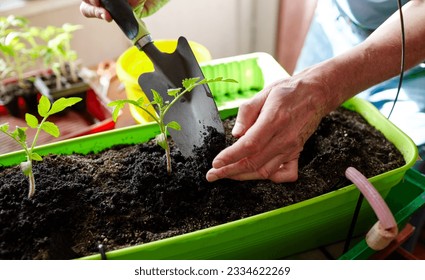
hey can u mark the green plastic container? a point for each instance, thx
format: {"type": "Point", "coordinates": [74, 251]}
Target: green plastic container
{"type": "Point", "coordinates": [252, 71]}
{"type": "Point", "coordinates": [276, 234]}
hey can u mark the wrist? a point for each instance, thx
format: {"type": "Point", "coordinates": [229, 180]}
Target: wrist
{"type": "Point", "coordinates": [323, 98]}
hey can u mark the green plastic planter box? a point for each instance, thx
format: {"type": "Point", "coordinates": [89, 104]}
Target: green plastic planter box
{"type": "Point", "coordinates": [276, 234]}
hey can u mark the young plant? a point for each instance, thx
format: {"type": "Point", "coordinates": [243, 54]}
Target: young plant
{"type": "Point", "coordinates": [45, 110]}
{"type": "Point", "coordinates": [56, 50]}
{"type": "Point", "coordinates": [22, 46]}
{"type": "Point", "coordinates": [162, 108]}
{"type": "Point", "coordinates": [16, 46]}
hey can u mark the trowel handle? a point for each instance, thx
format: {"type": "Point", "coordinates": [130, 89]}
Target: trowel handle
{"type": "Point", "coordinates": [127, 20]}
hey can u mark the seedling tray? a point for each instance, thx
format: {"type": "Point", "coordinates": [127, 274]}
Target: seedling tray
{"type": "Point", "coordinates": [91, 116]}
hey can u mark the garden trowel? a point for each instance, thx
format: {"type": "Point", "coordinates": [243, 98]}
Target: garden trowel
{"type": "Point", "coordinates": [196, 110]}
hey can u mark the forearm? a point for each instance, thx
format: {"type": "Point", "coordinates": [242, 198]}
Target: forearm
{"type": "Point", "coordinates": [375, 60]}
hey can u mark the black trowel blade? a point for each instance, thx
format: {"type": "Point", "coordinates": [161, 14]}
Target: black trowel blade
{"type": "Point", "coordinates": [196, 110]}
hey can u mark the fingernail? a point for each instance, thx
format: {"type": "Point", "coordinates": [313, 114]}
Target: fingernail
{"type": "Point", "coordinates": [237, 130]}
{"type": "Point", "coordinates": [102, 15]}
{"type": "Point", "coordinates": [211, 177]}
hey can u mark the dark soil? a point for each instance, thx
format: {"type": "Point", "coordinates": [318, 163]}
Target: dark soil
{"type": "Point", "coordinates": [123, 196]}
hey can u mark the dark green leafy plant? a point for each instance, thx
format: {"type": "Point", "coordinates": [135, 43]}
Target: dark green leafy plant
{"type": "Point", "coordinates": [162, 109]}
{"type": "Point", "coordinates": [45, 110]}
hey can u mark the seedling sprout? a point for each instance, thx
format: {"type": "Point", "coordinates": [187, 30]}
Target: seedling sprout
{"type": "Point", "coordinates": [162, 109]}
{"type": "Point", "coordinates": [45, 110]}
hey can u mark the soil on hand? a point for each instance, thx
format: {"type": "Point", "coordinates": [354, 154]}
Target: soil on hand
{"type": "Point", "coordinates": [123, 196]}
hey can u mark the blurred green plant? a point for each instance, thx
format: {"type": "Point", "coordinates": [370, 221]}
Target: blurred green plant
{"type": "Point", "coordinates": [22, 46]}
{"type": "Point", "coordinates": [56, 51]}
{"type": "Point", "coordinates": [16, 46]}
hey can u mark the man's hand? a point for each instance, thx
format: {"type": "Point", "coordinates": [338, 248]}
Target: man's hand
{"type": "Point", "coordinates": [272, 129]}
{"type": "Point", "coordinates": [94, 9]}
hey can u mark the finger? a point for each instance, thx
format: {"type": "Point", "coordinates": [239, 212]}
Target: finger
{"type": "Point", "coordinates": [91, 11]}
{"type": "Point", "coordinates": [249, 111]}
{"type": "Point", "coordinates": [247, 114]}
{"type": "Point", "coordinates": [95, 3]}
{"type": "Point", "coordinates": [261, 141]}
{"type": "Point", "coordinates": [287, 172]}
{"type": "Point", "coordinates": [246, 169]}
{"type": "Point", "coordinates": [273, 170]}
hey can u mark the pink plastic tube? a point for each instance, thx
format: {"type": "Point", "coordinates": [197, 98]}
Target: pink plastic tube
{"type": "Point", "coordinates": [385, 230]}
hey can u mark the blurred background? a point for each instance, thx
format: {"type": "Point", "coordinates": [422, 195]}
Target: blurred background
{"type": "Point", "coordinates": [225, 27]}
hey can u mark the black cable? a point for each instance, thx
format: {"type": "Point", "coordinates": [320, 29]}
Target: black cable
{"type": "Point", "coordinates": [403, 46]}
{"type": "Point", "coordinates": [353, 224]}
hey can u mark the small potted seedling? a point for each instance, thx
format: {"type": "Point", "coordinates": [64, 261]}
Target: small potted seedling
{"type": "Point", "coordinates": [15, 60]}
{"type": "Point", "coordinates": [45, 110]}
{"type": "Point", "coordinates": [23, 46]}
{"type": "Point", "coordinates": [61, 59]}
{"type": "Point", "coordinates": [162, 108]}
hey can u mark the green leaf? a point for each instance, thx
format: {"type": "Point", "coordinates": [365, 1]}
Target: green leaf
{"type": "Point", "coordinates": [141, 101]}
{"type": "Point", "coordinates": [122, 102]}
{"type": "Point", "coordinates": [8, 50]}
{"type": "Point", "coordinates": [67, 27]}
{"type": "Point", "coordinates": [44, 106]}
{"type": "Point", "coordinates": [230, 81]}
{"type": "Point", "coordinates": [218, 79]}
{"type": "Point", "coordinates": [62, 103]}
{"type": "Point", "coordinates": [117, 110]}
{"type": "Point", "coordinates": [134, 103]}
{"type": "Point", "coordinates": [20, 133]}
{"type": "Point", "coordinates": [174, 125]}
{"type": "Point", "coordinates": [12, 38]}
{"type": "Point", "coordinates": [37, 157]}
{"type": "Point", "coordinates": [31, 120]}
{"type": "Point", "coordinates": [190, 82]}
{"type": "Point", "coordinates": [50, 128]}
{"type": "Point", "coordinates": [115, 103]}
{"type": "Point", "coordinates": [173, 92]}
{"type": "Point", "coordinates": [157, 98]}
{"type": "Point", "coordinates": [119, 104]}
{"type": "Point", "coordinates": [4, 127]}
